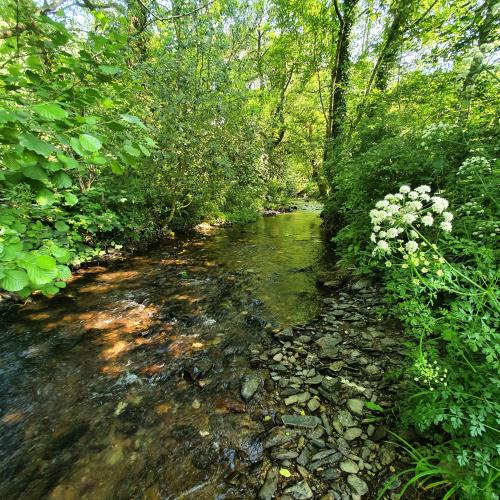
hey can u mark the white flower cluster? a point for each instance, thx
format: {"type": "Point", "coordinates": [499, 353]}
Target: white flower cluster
{"type": "Point", "coordinates": [429, 373]}
{"type": "Point", "coordinates": [473, 168]}
{"type": "Point", "coordinates": [436, 132]}
{"type": "Point", "coordinates": [396, 218]}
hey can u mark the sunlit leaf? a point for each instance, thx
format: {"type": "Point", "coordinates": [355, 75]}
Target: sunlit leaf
{"type": "Point", "coordinates": [51, 111]}
{"type": "Point", "coordinates": [14, 280]}
{"type": "Point", "coordinates": [45, 197]}
{"type": "Point", "coordinates": [32, 143]}
{"type": "Point", "coordinates": [90, 143]}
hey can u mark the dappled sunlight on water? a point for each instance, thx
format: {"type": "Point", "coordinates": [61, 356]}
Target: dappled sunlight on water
{"type": "Point", "coordinates": [127, 384]}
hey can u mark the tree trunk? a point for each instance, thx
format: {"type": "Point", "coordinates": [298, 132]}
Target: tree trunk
{"type": "Point", "coordinates": [338, 84]}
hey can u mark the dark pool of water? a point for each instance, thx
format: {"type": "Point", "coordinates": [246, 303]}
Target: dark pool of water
{"type": "Point", "coordinates": [96, 396]}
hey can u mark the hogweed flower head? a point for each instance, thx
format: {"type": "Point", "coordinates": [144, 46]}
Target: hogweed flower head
{"type": "Point", "coordinates": [400, 219]}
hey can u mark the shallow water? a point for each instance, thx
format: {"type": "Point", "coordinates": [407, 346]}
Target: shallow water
{"type": "Point", "coordinates": [101, 394]}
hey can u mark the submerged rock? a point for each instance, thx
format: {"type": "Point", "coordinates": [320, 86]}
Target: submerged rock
{"type": "Point", "coordinates": [270, 484]}
{"type": "Point", "coordinates": [199, 368]}
{"type": "Point", "coordinates": [250, 385]}
{"type": "Point", "coordinates": [278, 436]}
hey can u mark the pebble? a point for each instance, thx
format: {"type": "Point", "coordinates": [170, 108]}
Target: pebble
{"type": "Point", "coordinates": [313, 404]}
{"type": "Point", "coordinates": [345, 418]}
{"type": "Point", "coordinates": [300, 491]}
{"type": "Point", "coordinates": [349, 466]}
{"type": "Point", "coordinates": [357, 485]}
{"type": "Point", "coordinates": [356, 406]}
{"type": "Point", "coordinates": [270, 484]}
{"type": "Point", "coordinates": [352, 433]}
{"type": "Point", "coordinates": [250, 385]}
{"type": "Point", "coordinates": [309, 422]}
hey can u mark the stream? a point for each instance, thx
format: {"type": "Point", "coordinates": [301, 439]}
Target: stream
{"type": "Point", "coordinates": [127, 385]}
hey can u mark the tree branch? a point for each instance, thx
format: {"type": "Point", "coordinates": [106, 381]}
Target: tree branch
{"type": "Point", "coordinates": [337, 10]}
{"type": "Point", "coordinates": [175, 16]}
{"type": "Point", "coordinates": [22, 27]}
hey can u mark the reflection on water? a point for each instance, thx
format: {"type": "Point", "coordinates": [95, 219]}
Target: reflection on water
{"type": "Point", "coordinates": [127, 386]}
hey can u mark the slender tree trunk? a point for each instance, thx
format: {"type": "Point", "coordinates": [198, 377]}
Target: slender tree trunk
{"type": "Point", "coordinates": [386, 60]}
{"type": "Point", "coordinates": [485, 35]}
{"type": "Point", "coordinates": [338, 84]}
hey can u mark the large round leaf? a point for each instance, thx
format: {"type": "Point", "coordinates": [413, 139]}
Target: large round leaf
{"type": "Point", "coordinates": [14, 280]}
{"type": "Point", "coordinates": [131, 150]}
{"type": "Point", "coordinates": [90, 143]}
{"type": "Point", "coordinates": [70, 199]}
{"type": "Point", "coordinates": [62, 180]}
{"type": "Point", "coordinates": [35, 172]}
{"type": "Point", "coordinates": [32, 143]}
{"type": "Point", "coordinates": [51, 111]}
{"type": "Point", "coordinates": [45, 197]}
{"type": "Point", "coordinates": [46, 262]}
{"type": "Point", "coordinates": [39, 276]}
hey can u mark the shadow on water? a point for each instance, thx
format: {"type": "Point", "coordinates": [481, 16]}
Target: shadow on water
{"type": "Point", "coordinates": [127, 385]}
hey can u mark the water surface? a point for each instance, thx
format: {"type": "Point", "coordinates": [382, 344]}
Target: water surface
{"type": "Point", "coordinates": [126, 385]}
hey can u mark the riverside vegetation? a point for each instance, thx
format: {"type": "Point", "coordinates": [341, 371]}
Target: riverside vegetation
{"type": "Point", "coordinates": [122, 123]}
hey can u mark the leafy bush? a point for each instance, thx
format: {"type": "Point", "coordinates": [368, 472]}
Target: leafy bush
{"type": "Point", "coordinates": [63, 136]}
{"type": "Point", "coordinates": [445, 292]}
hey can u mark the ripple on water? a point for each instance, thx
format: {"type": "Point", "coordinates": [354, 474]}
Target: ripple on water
{"type": "Point", "coordinates": [97, 400]}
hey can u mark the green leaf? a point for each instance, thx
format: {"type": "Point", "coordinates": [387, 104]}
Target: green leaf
{"type": "Point", "coordinates": [35, 172]}
{"type": "Point", "coordinates": [373, 406]}
{"type": "Point", "coordinates": [50, 290]}
{"type": "Point", "coordinates": [116, 168]}
{"type": "Point", "coordinates": [133, 119]}
{"type": "Point", "coordinates": [11, 250]}
{"type": "Point", "coordinates": [46, 262]}
{"type": "Point", "coordinates": [51, 111]}
{"type": "Point", "coordinates": [90, 143]}
{"type": "Point", "coordinates": [145, 150]}
{"type": "Point", "coordinates": [61, 226]}
{"type": "Point", "coordinates": [68, 160]}
{"type": "Point", "coordinates": [131, 150]}
{"type": "Point", "coordinates": [75, 144]}
{"type": "Point", "coordinates": [19, 227]}
{"type": "Point", "coordinates": [7, 116]}
{"type": "Point", "coordinates": [285, 472]}
{"type": "Point", "coordinates": [39, 276]}
{"type": "Point", "coordinates": [62, 180]}
{"type": "Point", "coordinates": [61, 254]}
{"type": "Point", "coordinates": [32, 143]}
{"type": "Point", "coordinates": [70, 199]}
{"type": "Point", "coordinates": [14, 280]}
{"type": "Point", "coordinates": [45, 197]}
{"type": "Point", "coordinates": [64, 272]}
{"type": "Point", "coordinates": [109, 70]}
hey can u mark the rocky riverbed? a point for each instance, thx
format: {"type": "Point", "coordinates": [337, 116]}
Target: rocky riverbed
{"type": "Point", "coordinates": [324, 394]}
{"type": "Point", "coordinates": [209, 367]}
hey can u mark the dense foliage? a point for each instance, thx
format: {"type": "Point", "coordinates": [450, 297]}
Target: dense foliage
{"type": "Point", "coordinates": [122, 121]}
